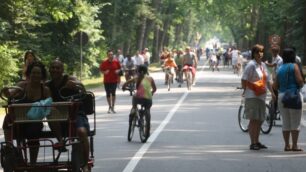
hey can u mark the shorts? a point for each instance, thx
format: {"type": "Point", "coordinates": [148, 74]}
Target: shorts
{"type": "Point", "coordinates": [291, 118]}
{"type": "Point", "coordinates": [110, 89]}
{"type": "Point", "coordinates": [255, 109]}
{"type": "Point", "coordinates": [189, 67]}
{"type": "Point", "coordinates": [82, 122]}
{"type": "Point", "coordinates": [147, 103]}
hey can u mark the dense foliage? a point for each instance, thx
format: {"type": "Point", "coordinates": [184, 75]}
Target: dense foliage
{"type": "Point", "coordinates": [50, 26]}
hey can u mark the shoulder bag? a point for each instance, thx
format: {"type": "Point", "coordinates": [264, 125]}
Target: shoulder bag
{"type": "Point", "coordinates": [291, 99]}
{"type": "Point", "coordinates": [259, 87]}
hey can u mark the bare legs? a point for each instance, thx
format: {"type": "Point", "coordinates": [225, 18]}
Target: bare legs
{"type": "Point", "coordinates": [294, 136]}
{"type": "Point", "coordinates": [254, 130]}
{"type": "Point", "coordinates": [111, 103]}
{"type": "Point", "coordinates": [82, 133]}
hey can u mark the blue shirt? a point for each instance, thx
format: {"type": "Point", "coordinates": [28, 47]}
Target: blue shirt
{"type": "Point", "coordinates": [284, 81]}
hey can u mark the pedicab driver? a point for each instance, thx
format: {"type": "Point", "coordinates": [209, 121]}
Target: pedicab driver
{"type": "Point", "coordinates": [58, 81]}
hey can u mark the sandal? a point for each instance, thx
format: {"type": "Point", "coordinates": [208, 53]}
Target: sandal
{"type": "Point", "coordinates": [297, 149]}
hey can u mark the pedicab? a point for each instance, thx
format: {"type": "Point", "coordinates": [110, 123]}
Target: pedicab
{"type": "Point", "coordinates": [15, 152]}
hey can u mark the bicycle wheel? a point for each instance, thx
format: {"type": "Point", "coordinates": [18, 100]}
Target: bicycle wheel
{"type": "Point", "coordinates": [242, 120]}
{"type": "Point", "coordinates": [268, 122]}
{"type": "Point", "coordinates": [132, 125]}
{"type": "Point", "coordinates": [131, 88]}
{"type": "Point", "coordinates": [169, 81]}
{"type": "Point", "coordinates": [189, 80]}
{"type": "Point", "coordinates": [144, 127]}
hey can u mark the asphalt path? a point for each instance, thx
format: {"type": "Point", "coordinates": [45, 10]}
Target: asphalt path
{"type": "Point", "coordinates": [193, 130]}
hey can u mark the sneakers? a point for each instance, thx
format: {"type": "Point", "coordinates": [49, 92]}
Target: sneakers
{"type": "Point", "coordinates": [257, 146]}
{"type": "Point", "coordinates": [111, 110]}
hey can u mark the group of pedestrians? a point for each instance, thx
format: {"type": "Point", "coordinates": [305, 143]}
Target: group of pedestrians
{"type": "Point", "coordinates": [286, 75]}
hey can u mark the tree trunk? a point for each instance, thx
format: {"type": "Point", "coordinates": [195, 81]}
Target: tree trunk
{"type": "Point", "coordinates": [142, 30]}
{"type": "Point", "coordinates": [155, 48]}
{"type": "Point", "coordinates": [114, 24]}
{"type": "Point", "coordinates": [304, 33]}
{"type": "Point", "coordinates": [149, 25]}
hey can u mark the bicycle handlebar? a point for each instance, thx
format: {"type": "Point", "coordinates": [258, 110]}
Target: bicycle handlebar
{"type": "Point", "coordinates": [14, 97]}
{"type": "Point", "coordinates": [78, 94]}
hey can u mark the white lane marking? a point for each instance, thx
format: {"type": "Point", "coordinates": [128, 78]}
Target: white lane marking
{"type": "Point", "coordinates": [144, 148]}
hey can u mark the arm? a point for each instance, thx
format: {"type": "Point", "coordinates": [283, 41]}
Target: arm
{"type": "Point", "coordinates": [195, 61]}
{"type": "Point", "coordinates": [153, 86]}
{"type": "Point", "coordinates": [298, 76]}
{"type": "Point", "coordinates": [243, 85]}
{"type": "Point", "coordinates": [74, 83]}
{"type": "Point", "coordinates": [128, 82]}
{"type": "Point", "coordinates": [103, 68]}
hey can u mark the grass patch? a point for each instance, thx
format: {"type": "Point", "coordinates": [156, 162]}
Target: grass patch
{"type": "Point", "coordinates": [92, 82]}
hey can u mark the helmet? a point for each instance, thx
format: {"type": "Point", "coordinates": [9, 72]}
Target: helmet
{"type": "Point", "coordinates": [142, 69]}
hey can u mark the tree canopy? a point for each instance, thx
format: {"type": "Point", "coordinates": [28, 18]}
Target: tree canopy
{"type": "Point", "coordinates": [49, 27]}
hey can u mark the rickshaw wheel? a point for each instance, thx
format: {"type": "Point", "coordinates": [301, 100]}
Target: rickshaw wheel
{"type": "Point", "coordinates": [7, 159]}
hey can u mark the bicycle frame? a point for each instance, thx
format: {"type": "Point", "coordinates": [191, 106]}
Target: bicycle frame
{"type": "Point", "coordinates": [188, 75]}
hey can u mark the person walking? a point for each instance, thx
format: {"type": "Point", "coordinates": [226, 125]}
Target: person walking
{"type": "Point", "coordinates": [289, 77]}
{"type": "Point", "coordinates": [255, 105]}
{"type": "Point", "coordinates": [110, 68]}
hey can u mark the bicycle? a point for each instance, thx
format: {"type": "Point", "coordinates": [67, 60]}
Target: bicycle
{"type": "Point", "coordinates": [129, 75]}
{"type": "Point", "coordinates": [169, 77]}
{"type": "Point", "coordinates": [274, 111]}
{"type": "Point", "coordinates": [244, 122]}
{"type": "Point", "coordinates": [141, 119]}
{"type": "Point", "coordinates": [188, 75]}
{"type": "Point", "coordinates": [179, 76]}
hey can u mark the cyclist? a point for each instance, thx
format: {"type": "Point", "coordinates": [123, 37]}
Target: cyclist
{"type": "Point", "coordinates": [145, 88]}
{"type": "Point", "coordinates": [179, 62]}
{"type": "Point", "coordinates": [129, 67]}
{"type": "Point", "coordinates": [189, 61]}
{"type": "Point", "coordinates": [58, 81]}
{"type": "Point", "coordinates": [169, 66]}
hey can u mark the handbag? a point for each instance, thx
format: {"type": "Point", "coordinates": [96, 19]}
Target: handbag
{"type": "Point", "coordinates": [291, 99]}
{"type": "Point", "coordinates": [259, 87]}
{"type": "Point", "coordinates": [40, 109]}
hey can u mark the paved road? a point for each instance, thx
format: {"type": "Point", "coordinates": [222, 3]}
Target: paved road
{"type": "Point", "coordinates": [191, 131]}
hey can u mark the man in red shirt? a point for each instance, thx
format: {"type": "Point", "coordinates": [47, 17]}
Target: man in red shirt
{"type": "Point", "coordinates": [110, 68]}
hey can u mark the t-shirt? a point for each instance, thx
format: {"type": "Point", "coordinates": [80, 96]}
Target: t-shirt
{"type": "Point", "coordinates": [169, 63]}
{"type": "Point", "coordinates": [112, 66]}
{"type": "Point", "coordinates": [254, 72]}
{"type": "Point", "coordinates": [144, 90]}
{"type": "Point", "coordinates": [284, 82]}
{"type": "Point", "coordinates": [189, 59]}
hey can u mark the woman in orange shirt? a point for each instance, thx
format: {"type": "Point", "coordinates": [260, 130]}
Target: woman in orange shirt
{"type": "Point", "coordinates": [169, 67]}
